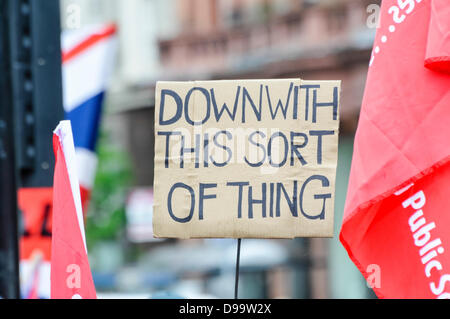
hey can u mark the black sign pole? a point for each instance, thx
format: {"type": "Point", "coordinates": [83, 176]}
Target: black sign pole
{"type": "Point", "coordinates": [9, 251]}
{"type": "Point", "coordinates": [238, 257]}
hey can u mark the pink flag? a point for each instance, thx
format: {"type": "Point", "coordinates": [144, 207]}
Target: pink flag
{"type": "Point", "coordinates": [71, 276]}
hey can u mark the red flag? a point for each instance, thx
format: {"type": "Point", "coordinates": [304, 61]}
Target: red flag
{"type": "Point", "coordinates": [438, 46]}
{"type": "Point", "coordinates": [71, 276]}
{"type": "Point", "coordinates": [396, 218]}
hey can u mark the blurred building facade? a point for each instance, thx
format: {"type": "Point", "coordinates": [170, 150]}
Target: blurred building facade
{"type": "Point", "coordinates": [231, 39]}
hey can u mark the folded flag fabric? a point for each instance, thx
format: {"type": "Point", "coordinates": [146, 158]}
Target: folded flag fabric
{"type": "Point", "coordinates": [88, 60]}
{"type": "Point", "coordinates": [396, 215]}
{"type": "Point", "coordinates": [438, 44]}
{"type": "Point", "coordinates": [71, 276]}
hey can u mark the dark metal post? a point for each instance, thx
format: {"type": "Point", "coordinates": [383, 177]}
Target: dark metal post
{"type": "Point", "coordinates": [9, 252]}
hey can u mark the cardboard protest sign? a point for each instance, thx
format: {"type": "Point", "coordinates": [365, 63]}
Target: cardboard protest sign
{"type": "Point", "coordinates": [245, 158]}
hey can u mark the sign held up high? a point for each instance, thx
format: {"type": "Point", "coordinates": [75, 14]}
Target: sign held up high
{"type": "Point", "coordinates": [245, 158]}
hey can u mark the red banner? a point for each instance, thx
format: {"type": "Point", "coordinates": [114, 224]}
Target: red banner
{"type": "Point", "coordinates": [403, 138]}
